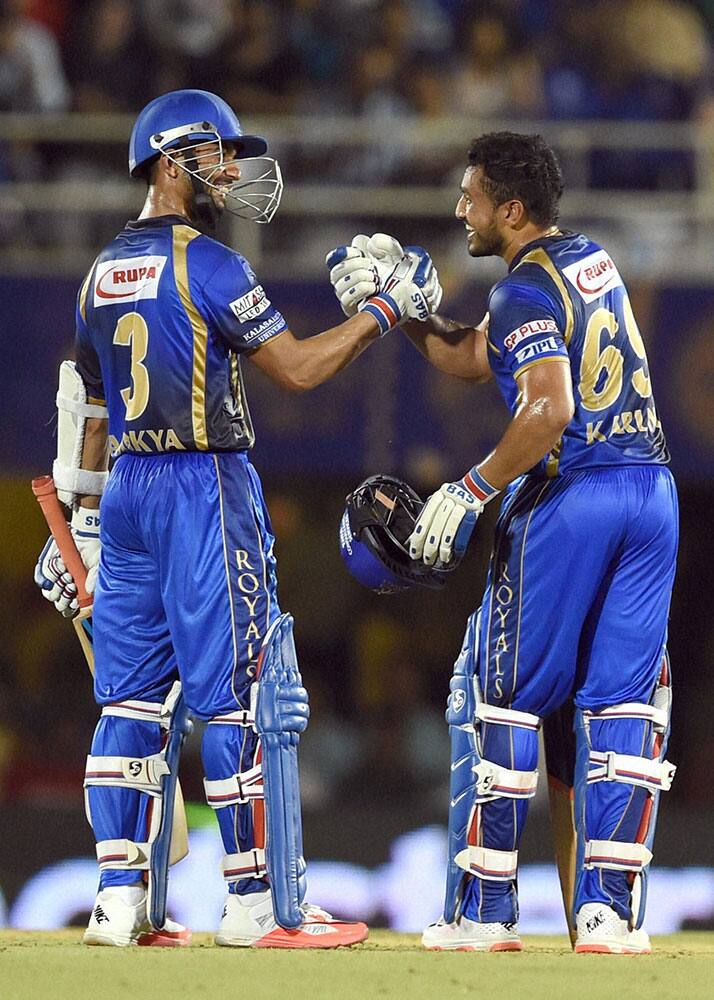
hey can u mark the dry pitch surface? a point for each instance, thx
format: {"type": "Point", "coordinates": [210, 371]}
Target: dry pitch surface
{"type": "Point", "coordinates": [55, 966]}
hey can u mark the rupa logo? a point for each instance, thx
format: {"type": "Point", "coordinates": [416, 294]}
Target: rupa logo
{"type": "Point", "coordinates": [528, 330]}
{"type": "Point", "coordinates": [250, 305]}
{"type": "Point", "coordinates": [594, 275]}
{"type": "Point", "coordinates": [127, 280]}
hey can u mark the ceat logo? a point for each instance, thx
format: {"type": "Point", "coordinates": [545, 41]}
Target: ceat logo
{"type": "Point", "coordinates": [593, 276]}
{"type": "Point", "coordinates": [127, 280]}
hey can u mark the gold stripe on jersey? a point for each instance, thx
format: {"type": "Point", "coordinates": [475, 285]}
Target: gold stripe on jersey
{"type": "Point", "coordinates": [541, 258]}
{"type": "Point", "coordinates": [541, 361]}
{"type": "Point", "coordinates": [182, 237]}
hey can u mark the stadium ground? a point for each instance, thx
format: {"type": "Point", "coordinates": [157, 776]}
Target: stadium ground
{"type": "Point", "coordinates": [56, 966]}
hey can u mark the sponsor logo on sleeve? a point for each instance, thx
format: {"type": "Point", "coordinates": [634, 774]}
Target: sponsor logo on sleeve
{"type": "Point", "coordinates": [264, 330]}
{"type": "Point", "coordinates": [127, 280]}
{"type": "Point", "coordinates": [528, 330]}
{"type": "Point", "coordinates": [531, 351]}
{"type": "Point", "coordinates": [250, 305]}
{"type": "Point", "coordinates": [593, 275]}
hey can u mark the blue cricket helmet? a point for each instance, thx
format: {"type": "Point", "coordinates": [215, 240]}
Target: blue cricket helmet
{"type": "Point", "coordinates": [182, 114]}
{"type": "Point", "coordinates": [379, 518]}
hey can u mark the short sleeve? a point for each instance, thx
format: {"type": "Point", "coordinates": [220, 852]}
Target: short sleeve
{"type": "Point", "coordinates": [86, 357]}
{"type": "Point", "coordinates": [526, 324]}
{"type": "Point", "coordinates": [239, 306]}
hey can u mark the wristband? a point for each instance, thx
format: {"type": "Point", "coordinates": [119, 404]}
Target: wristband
{"type": "Point", "coordinates": [384, 309]}
{"type": "Point", "coordinates": [85, 522]}
{"type": "Point", "coordinates": [480, 487]}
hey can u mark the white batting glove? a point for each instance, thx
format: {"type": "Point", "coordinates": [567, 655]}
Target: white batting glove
{"type": "Point", "coordinates": [370, 264]}
{"type": "Point", "coordinates": [448, 518]}
{"type": "Point", "coordinates": [52, 576]}
{"type": "Point", "coordinates": [353, 274]}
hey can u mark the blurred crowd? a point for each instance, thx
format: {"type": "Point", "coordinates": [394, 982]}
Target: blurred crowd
{"type": "Point", "coordinates": [387, 61]}
{"type": "Point", "coordinates": [622, 59]}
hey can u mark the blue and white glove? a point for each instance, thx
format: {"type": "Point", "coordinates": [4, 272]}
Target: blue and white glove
{"type": "Point", "coordinates": [376, 275]}
{"type": "Point", "coordinates": [447, 520]}
{"type": "Point", "coordinates": [52, 576]}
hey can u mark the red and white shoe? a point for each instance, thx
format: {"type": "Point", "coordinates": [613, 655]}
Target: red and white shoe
{"type": "Point", "coordinates": [601, 931]}
{"type": "Point", "coordinates": [119, 920]}
{"type": "Point", "coordinates": [468, 935]}
{"type": "Point", "coordinates": [248, 922]}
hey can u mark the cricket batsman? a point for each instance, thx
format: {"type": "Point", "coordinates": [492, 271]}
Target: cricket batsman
{"type": "Point", "coordinates": [583, 560]}
{"type": "Point", "coordinates": [177, 538]}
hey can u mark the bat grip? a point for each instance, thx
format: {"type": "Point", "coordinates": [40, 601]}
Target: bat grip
{"type": "Point", "coordinates": [46, 496]}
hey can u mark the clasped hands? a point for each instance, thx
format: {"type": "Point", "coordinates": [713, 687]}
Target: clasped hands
{"type": "Point", "coordinates": [376, 274]}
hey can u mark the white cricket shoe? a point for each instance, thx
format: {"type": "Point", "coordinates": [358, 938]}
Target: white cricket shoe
{"type": "Point", "coordinates": [248, 922]}
{"type": "Point", "coordinates": [602, 931]}
{"type": "Point", "coordinates": [468, 935]}
{"type": "Point", "coordinates": [119, 919]}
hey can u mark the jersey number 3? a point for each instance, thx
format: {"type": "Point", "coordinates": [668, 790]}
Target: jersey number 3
{"type": "Point", "coordinates": [132, 331]}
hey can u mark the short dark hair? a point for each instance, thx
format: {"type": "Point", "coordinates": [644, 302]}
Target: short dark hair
{"type": "Point", "coordinates": [522, 167]}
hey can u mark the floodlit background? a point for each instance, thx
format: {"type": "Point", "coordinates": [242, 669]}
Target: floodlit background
{"type": "Point", "coordinates": [370, 108]}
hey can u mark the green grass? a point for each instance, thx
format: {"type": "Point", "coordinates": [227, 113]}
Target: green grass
{"type": "Point", "coordinates": [56, 966]}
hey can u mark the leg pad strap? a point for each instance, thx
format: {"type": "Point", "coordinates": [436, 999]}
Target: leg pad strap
{"type": "Point", "coordinates": [493, 781]}
{"type": "Point", "coordinates": [657, 715]}
{"type": "Point", "coordinates": [617, 856]}
{"type": "Point", "coordinates": [655, 775]}
{"type": "Point", "coordinates": [236, 790]}
{"type": "Point", "coordinates": [142, 773]}
{"type": "Point", "coordinates": [245, 864]}
{"type": "Point", "coordinates": [506, 717]}
{"type": "Point", "coordinates": [123, 854]}
{"type": "Point", "coordinates": [487, 863]}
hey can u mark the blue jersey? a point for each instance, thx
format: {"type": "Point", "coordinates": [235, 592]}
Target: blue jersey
{"type": "Point", "coordinates": [564, 298]}
{"type": "Point", "coordinates": [162, 319]}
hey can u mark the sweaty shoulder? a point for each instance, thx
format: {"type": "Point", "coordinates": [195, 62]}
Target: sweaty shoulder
{"type": "Point", "coordinates": [232, 295]}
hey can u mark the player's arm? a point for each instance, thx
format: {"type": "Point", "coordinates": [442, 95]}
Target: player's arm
{"type": "Point", "coordinates": [546, 408]}
{"type": "Point", "coordinates": [452, 347]}
{"type": "Point", "coordinates": [300, 365]}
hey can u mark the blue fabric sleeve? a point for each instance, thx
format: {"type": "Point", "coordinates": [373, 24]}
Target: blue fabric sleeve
{"type": "Point", "coordinates": [526, 322]}
{"type": "Point", "coordinates": [87, 360]}
{"type": "Point", "coordinates": [239, 306]}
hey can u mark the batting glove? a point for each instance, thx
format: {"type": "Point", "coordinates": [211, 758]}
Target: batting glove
{"type": "Point", "coordinates": [52, 576]}
{"type": "Point", "coordinates": [448, 518]}
{"type": "Point", "coordinates": [373, 266]}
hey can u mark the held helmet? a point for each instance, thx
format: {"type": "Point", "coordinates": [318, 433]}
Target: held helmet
{"type": "Point", "coordinates": [378, 519]}
{"type": "Point", "coordinates": [176, 123]}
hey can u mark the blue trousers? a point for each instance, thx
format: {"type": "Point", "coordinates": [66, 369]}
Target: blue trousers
{"type": "Point", "coordinates": [576, 605]}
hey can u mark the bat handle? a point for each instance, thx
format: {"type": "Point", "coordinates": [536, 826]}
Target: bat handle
{"type": "Point", "coordinates": [46, 495]}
